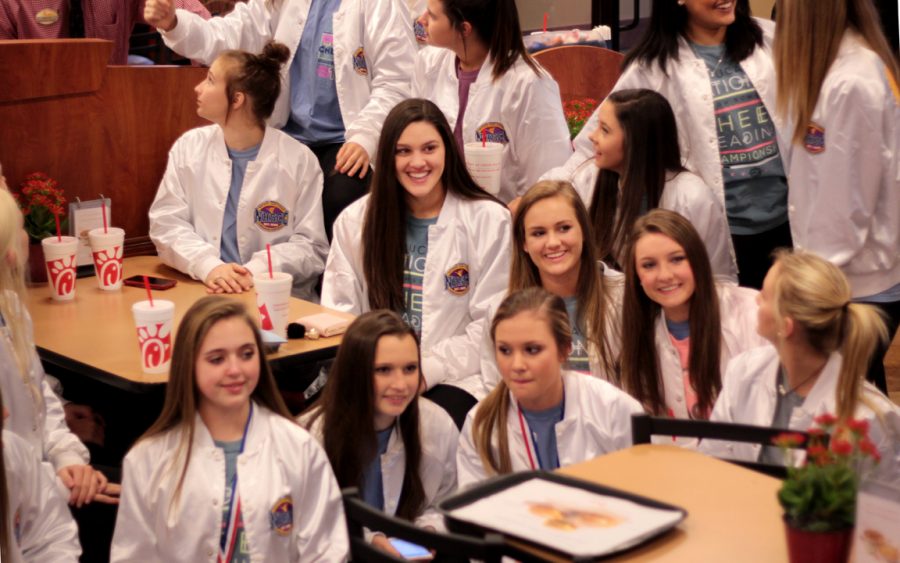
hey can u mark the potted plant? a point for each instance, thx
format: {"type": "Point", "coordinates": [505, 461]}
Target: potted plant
{"type": "Point", "coordinates": [42, 202]}
{"type": "Point", "coordinates": [577, 112]}
{"type": "Point", "coordinates": [819, 496]}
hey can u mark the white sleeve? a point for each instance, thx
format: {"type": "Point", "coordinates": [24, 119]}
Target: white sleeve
{"type": "Point", "coordinates": [342, 285]}
{"type": "Point", "coordinates": [449, 437]}
{"type": "Point", "coordinates": [171, 229]}
{"type": "Point", "coordinates": [320, 530]}
{"type": "Point", "coordinates": [490, 373]}
{"type": "Point", "coordinates": [469, 469]}
{"type": "Point", "coordinates": [134, 538]}
{"type": "Point", "coordinates": [61, 446]}
{"type": "Point", "coordinates": [723, 411]}
{"type": "Point", "coordinates": [248, 27]}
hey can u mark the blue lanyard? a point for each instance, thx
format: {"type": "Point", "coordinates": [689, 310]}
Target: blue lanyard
{"type": "Point", "coordinates": [231, 527]}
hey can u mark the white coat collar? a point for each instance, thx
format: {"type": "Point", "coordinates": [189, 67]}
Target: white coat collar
{"type": "Point", "coordinates": [570, 401]}
{"type": "Point", "coordinates": [267, 147]}
{"type": "Point", "coordinates": [257, 433]}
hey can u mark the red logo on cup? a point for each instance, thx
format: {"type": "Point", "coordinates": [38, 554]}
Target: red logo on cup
{"type": "Point", "coordinates": [265, 319]}
{"type": "Point", "coordinates": [156, 347]}
{"type": "Point", "coordinates": [109, 265]}
{"type": "Point", "coordinates": [62, 275]}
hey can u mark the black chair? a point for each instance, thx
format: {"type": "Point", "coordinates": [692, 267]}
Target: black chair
{"type": "Point", "coordinates": [644, 426]}
{"type": "Point", "coordinates": [447, 547]}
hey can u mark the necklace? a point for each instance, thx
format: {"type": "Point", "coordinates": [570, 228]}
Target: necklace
{"type": "Point", "coordinates": [711, 71]}
{"type": "Point", "coordinates": [783, 376]}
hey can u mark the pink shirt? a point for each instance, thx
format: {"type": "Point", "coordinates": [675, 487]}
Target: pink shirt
{"type": "Point", "coordinates": [103, 19]}
{"type": "Point", "coordinates": [683, 347]}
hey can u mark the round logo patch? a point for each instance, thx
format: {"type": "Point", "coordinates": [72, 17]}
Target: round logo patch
{"type": "Point", "coordinates": [814, 141]}
{"type": "Point", "coordinates": [456, 280]}
{"type": "Point", "coordinates": [494, 131]}
{"type": "Point", "coordinates": [419, 32]}
{"type": "Point", "coordinates": [281, 517]}
{"type": "Point", "coordinates": [359, 62]}
{"type": "Point", "coordinates": [270, 216]}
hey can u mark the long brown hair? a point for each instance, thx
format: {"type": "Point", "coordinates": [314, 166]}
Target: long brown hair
{"type": "Point", "coordinates": [491, 415]}
{"type": "Point", "coordinates": [641, 376]}
{"type": "Point", "coordinates": [650, 152]}
{"type": "Point", "coordinates": [815, 294]}
{"type": "Point", "coordinates": [384, 227]}
{"type": "Point", "coordinates": [347, 409]}
{"type": "Point", "coordinates": [257, 76]}
{"type": "Point", "coordinates": [596, 317]}
{"type": "Point", "coordinates": [182, 395]}
{"type": "Point", "coordinates": [808, 36]}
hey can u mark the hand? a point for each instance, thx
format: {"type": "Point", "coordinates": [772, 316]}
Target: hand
{"type": "Point", "coordinates": [160, 14]}
{"type": "Point", "coordinates": [381, 542]}
{"type": "Point", "coordinates": [83, 481]}
{"type": "Point", "coordinates": [352, 158]}
{"type": "Point", "coordinates": [229, 278]}
{"type": "Point", "coordinates": [110, 494]}
{"type": "Point", "coordinates": [514, 205]}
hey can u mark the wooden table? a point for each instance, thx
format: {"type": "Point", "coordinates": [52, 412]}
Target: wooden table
{"type": "Point", "coordinates": [95, 335]}
{"type": "Point", "coordinates": [733, 513]}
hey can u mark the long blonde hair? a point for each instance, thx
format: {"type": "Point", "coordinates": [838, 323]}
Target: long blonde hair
{"type": "Point", "coordinates": [492, 412]}
{"type": "Point", "coordinates": [807, 38]}
{"type": "Point", "coordinates": [815, 294]}
{"type": "Point", "coordinates": [596, 316]}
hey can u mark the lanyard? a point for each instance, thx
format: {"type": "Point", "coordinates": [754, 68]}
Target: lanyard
{"type": "Point", "coordinates": [533, 445]}
{"type": "Point", "coordinates": [226, 546]}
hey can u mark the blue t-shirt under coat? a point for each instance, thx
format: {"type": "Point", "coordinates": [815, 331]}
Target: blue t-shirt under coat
{"type": "Point", "coordinates": [229, 251]}
{"type": "Point", "coordinates": [542, 426]}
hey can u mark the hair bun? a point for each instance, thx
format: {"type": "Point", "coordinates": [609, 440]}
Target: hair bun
{"type": "Point", "coordinates": [276, 54]}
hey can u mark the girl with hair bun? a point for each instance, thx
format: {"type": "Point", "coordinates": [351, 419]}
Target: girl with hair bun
{"type": "Point", "coordinates": [233, 187]}
{"type": "Point", "coordinates": [821, 346]}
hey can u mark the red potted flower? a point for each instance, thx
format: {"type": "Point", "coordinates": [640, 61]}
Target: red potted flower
{"type": "Point", "coordinates": [41, 201]}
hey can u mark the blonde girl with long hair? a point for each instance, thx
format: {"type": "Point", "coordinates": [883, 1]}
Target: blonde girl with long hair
{"type": "Point", "coordinates": [821, 346]}
{"type": "Point", "coordinates": [837, 89]}
{"type": "Point", "coordinates": [225, 469]}
{"type": "Point", "coordinates": [539, 416]}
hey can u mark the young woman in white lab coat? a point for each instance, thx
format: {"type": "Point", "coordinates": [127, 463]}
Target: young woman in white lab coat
{"type": "Point", "coordinates": [398, 449]}
{"type": "Point", "coordinates": [821, 345]}
{"type": "Point", "coordinates": [350, 62]}
{"type": "Point", "coordinates": [712, 61]}
{"type": "Point", "coordinates": [427, 243]}
{"type": "Point", "coordinates": [679, 327]}
{"type": "Point", "coordinates": [639, 168]}
{"type": "Point", "coordinates": [236, 186]}
{"type": "Point", "coordinates": [837, 87]}
{"type": "Point", "coordinates": [487, 85]}
{"type": "Point", "coordinates": [539, 416]}
{"type": "Point", "coordinates": [225, 471]}
{"type": "Point", "coordinates": [35, 411]}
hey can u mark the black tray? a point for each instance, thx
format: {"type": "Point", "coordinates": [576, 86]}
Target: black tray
{"type": "Point", "coordinates": [499, 483]}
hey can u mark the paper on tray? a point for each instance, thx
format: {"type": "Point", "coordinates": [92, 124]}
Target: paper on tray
{"type": "Point", "coordinates": [568, 519]}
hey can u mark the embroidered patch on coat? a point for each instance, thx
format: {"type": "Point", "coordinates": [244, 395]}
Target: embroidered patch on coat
{"type": "Point", "coordinates": [281, 517]}
{"type": "Point", "coordinates": [814, 141]}
{"type": "Point", "coordinates": [270, 216]}
{"type": "Point", "coordinates": [359, 62]}
{"type": "Point", "coordinates": [456, 280]}
{"type": "Point", "coordinates": [494, 131]}
{"type": "Point", "coordinates": [419, 32]}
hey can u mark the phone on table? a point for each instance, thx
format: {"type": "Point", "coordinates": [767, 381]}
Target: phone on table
{"type": "Point", "coordinates": [155, 283]}
{"type": "Point", "coordinates": [411, 551]}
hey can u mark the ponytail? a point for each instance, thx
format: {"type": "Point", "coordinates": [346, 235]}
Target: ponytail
{"type": "Point", "coordinates": [863, 328]}
{"type": "Point", "coordinates": [492, 415]}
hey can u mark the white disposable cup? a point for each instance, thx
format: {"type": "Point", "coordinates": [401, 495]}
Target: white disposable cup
{"type": "Point", "coordinates": [484, 164]}
{"type": "Point", "coordinates": [107, 249]}
{"type": "Point", "coordinates": [60, 257]}
{"type": "Point", "coordinates": [273, 296]}
{"type": "Point", "coordinates": [154, 332]}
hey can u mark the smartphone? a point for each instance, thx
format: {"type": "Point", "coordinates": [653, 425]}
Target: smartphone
{"type": "Point", "coordinates": [410, 550]}
{"type": "Point", "coordinates": [155, 283]}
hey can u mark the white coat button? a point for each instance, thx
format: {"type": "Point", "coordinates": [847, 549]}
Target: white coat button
{"type": "Point", "coordinates": [243, 240]}
{"type": "Point", "coordinates": [209, 553]}
{"type": "Point", "coordinates": [215, 502]}
{"type": "Point", "coordinates": [797, 246]}
{"type": "Point", "coordinates": [215, 238]}
{"type": "Point", "coordinates": [791, 209]}
{"type": "Point", "coordinates": [679, 399]}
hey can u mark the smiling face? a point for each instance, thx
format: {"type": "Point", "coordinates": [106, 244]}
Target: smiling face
{"type": "Point", "coordinates": [227, 366]}
{"type": "Point", "coordinates": [554, 241]}
{"type": "Point", "coordinates": [529, 360]}
{"type": "Point", "coordinates": [396, 377]}
{"type": "Point", "coordinates": [708, 19]}
{"type": "Point", "coordinates": [665, 274]}
{"type": "Point", "coordinates": [419, 158]}
{"type": "Point", "coordinates": [212, 98]}
{"type": "Point", "coordinates": [609, 140]}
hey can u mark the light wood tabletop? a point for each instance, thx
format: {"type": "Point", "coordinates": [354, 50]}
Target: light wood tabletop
{"type": "Point", "coordinates": [733, 512]}
{"type": "Point", "coordinates": [95, 333]}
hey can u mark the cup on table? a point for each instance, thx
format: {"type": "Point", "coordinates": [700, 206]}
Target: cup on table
{"type": "Point", "coordinates": [60, 256]}
{"type": "Point", "coordinates": [484, 163]}
{"type": "Point", "coordinates": [273, 297]}
{"type": "Point", "coordinates": [107, 251]}
{"type": "Point", "coordinates": [154, 332]}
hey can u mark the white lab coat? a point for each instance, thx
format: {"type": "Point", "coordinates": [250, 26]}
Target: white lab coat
{"type": "Point", "coordinates": [373, 53]}
{"type": "Point", "coordinates": [844, 202]}
{"type": "Point", "coordinates": [439, 436]}
{"type": "Point", "coordinates": [522, 108]}
{"type": "Point", "coordinates": [749, 396]}
{"type": "Point", "coordinates": [187, 214]}
{"type": "Point", "coordinates": [614, 283]}
{"type": "Point", "coordinates": [281, 463]}
{"type": "Point", "coordinates": [39, 420]}
{"type": "Point", "coordinates": [737, 314]}
{"type": "Point", "coordinates": [474, 234]}
{"type": "Point", "coordinates": [596, 421]}
{"type": "Point", "coordinates": [40, 526]}
{"type": "Point", "coordinates": [685, 84]}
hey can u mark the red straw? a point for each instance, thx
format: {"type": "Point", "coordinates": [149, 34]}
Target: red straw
{"type": "Point", "coordinates": [545, 22]}
{"type": "Point", "coordinates": [483, 138]}
{"type": "Point", "coordinates": [58, 230]}
{"type": "Point", "coordinates": [147, 287]}
{"type": "Point", "coordinates": [105, 229]}
{"type": "Point", "coordinates": [269, 253]}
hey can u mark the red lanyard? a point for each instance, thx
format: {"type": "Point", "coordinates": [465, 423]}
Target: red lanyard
{"type": "Point", "coordinates": [525, 438]}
